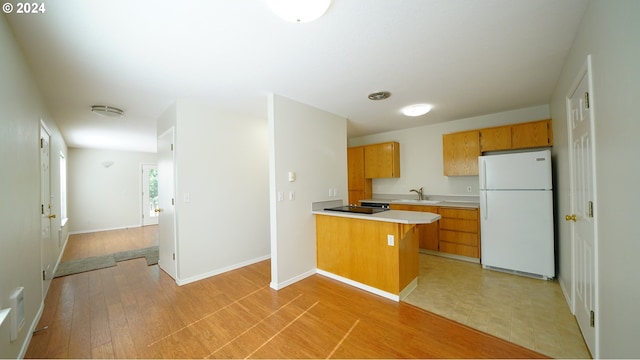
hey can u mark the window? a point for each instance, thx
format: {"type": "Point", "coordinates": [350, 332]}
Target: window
{"type": "Point", "coordinates": [63, 189]}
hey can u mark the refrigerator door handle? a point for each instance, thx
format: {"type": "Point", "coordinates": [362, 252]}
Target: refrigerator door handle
{"type": "Point", "coordinates": [484, 175]}
{"type": "Point", "coordinates": [483, 211]}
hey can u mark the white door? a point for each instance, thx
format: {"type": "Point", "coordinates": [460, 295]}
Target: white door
{"type": "Point", "coordinates": [150, 209]}
{"type": "Point", "coordinates": [166, 202]}
{"type": "Point", "coordinates": [583, 213]}
{"type": "Point", "coordinates": [46, 253]}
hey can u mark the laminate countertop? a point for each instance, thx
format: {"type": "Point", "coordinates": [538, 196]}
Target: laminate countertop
{"type": "Point", "coordinates": [394, 216]}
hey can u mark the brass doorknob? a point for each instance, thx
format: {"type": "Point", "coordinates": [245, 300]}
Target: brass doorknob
{"type": "Point", "coordinates": [571, 218]}
{"type": "Point", "coordinates": [52, 216]}
{"type": "Point", "coordinates": [157, 210]}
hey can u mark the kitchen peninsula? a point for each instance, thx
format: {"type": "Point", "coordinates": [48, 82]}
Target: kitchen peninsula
{"type": "Point", "coordinates": [375, 252]}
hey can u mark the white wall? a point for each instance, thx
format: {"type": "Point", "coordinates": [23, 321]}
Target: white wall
{"type": "Point", "coordinates": [105, 198]}
{"type": "Point", "coordinates": [312, 143]}
{"type": "Point", "coordinates": [21, 109]}
{"type": "Point", "coordinates": [221, 162]}
{"type": "Point", "coordinates": [609, 32]}
{"type": "Point", "coordinates": [421, 153]}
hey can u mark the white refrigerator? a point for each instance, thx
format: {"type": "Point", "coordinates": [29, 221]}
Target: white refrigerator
{"type": "Point", "coordinates": [516, 213]}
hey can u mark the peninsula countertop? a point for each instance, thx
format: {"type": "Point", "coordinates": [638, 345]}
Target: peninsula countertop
{"type": "Point", "coordinates": [394, 216]}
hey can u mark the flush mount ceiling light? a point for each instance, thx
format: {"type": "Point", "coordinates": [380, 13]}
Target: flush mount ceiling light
{"type": "Point", "coordinates": [107, 111]}
{"type": "Point", "coordinates": [380, 95]}
{"type": "Point", "coordinates": [299, 11]}
{"type": "Point", "coordinates": [416, 110]}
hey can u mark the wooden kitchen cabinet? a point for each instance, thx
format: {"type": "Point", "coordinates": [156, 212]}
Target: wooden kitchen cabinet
{"type": "Point", "coordinates": [531, 135]}
{"type": "Point", "coordinates": [459, 231]}
{"type": "Point", "coordinates": [359, 186]}
{"type": "Point", "coordinates": [460, 153]}
{"type": "Point", "coordinates": [427, 233]}
{"type": "Point", "coordinates": [382, 160]}
{"type": "Point", "coordinates": [496, 138]}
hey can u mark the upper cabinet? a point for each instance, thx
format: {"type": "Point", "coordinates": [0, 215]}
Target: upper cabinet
{"type": "Point", "coordinates": [359, 186]}
{"type": "Point", "coordinates": [382, 160]}
{"type": "Point", "coordinates": [531, 135]}
{"type": "Point", "coordinates": [494, 139]}
{"type": "Point", "coordinates": [367, 162]}
{"type": "Point", "coordinates": [460, 153]}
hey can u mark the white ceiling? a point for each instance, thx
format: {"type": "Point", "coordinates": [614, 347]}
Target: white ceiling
{"type": "Point", "coordinates": [465, 57]}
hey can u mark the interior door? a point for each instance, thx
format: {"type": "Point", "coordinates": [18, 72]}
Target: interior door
{"type": "Point", "coordinates": [583, 214]}
{"type": "Point", "coordinates": [46, 253]}
{"type": "Point", "coordinates": [166, 202]}
{"type": "Point", "coordinates": [150, 208]}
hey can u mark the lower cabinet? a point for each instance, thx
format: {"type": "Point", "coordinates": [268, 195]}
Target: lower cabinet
{"type": "Point", "coordinates": [457, 232]}
{"type": "Point", "coordinates": [427, 233]}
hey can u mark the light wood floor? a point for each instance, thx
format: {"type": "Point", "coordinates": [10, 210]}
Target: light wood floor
{"type": "Point", "coordinates": [137, 311]}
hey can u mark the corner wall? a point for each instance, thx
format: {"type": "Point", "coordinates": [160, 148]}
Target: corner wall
{"type": "Point", "coordinates": [21, 255]}
{"type": "Point", "coordinates": [312, 143]}
{"type": "Point", "coordinates": [609, 32]}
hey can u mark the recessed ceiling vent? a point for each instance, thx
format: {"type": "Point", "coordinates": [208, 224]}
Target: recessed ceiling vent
{"type": "Point", "coordinates": [107, 111]}
{"type": "Point", "coordinates": [380, 95]}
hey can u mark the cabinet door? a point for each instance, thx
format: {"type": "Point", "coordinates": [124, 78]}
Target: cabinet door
{"type": "Point", "coordinates": [493, 139]}
{"type": "Point", "coordinates": [355, 166]}
{"type": "Point", "coordinates": [460, 153]}
{"type": "Point", "coordinates": [382, 160]}
{"type": "Point", "coordinates": [530, 135]}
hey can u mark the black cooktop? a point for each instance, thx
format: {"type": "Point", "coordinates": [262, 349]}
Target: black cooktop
{"type": "Point", "coordinates": [357, 209]}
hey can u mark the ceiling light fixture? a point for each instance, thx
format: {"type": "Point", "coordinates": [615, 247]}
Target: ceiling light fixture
{"type": "Point", "coordinates": [299, 11]}
{"type": "Point", "coordinates": [107, 111]}
{"type": "Point", "coordinates": [380, 95]}
{"type": "Point", "coordinates": [416, 110]}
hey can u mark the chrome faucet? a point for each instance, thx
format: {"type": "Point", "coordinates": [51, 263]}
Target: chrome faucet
{"type": "Point", "coordinates": [419, 192]}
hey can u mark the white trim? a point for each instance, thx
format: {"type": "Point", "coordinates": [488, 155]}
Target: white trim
{"type": "Point", "coordinates": [32, 328]}
{"type": "Point", "coordinates": [105, 229]}
{"type": "Point", "coordinates": [209, 274]}
{"type": "Point", "coordinates": [295, 279]}
{"type": "Point", "coordinates": [371, 289]}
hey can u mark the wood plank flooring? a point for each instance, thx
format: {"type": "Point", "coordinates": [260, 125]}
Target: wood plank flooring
{"type": "Point", "coordinates": [137, 311]}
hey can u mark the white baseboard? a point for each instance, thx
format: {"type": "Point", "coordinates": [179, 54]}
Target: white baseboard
{"type": "Point", "coordinates": [191, 279]}
{"type": "Point", "coordinates": [32, 328]}
{"type": "Point", "coordinates": [295, 279]}
{"type": "Point", "coordinates": [362, 286]}
{"type": "Point", "coordinates": [105, 229]}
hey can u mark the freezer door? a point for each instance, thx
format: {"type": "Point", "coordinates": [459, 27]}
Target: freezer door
{"type": "Point", "coordinates": [527, 170]}
{"type": "Point", "coordinates": [516, 230]}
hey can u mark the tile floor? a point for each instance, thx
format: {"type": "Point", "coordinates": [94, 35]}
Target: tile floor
{"type": "Point", "coordinates": [530, 312]}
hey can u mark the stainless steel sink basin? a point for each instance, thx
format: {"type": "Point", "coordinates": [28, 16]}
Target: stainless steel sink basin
{"type": "Point", "coordinates": [426, 202]}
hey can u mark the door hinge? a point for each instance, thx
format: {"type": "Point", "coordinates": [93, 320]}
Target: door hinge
{"type": "Point", "coordinates": [41, 209]}
{"type": "Point", "coordinates": [171, 147]}
{"type": "Point", "coordinates": [590, 209]}
{"type": "Point", "coordinates": [41, 143]}
{"type": "Point", "coordinates": [586, 100]}
{"type": "Point", "coordinates": [44, 275]}
{"type": "Point", "coordinates": [173, 201]}
{"type": "Point", "coordinates": [174, 256]}
{"type": "Point", "coordinates": [592, 318]}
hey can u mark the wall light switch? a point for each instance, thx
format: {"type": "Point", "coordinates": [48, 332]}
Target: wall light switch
{"type": "Point", "coordinates": [292, 176]}
{"type": "Point", "coordinates": [292, 195]}
{"type": "Point", "coordinates": [187, 197]}
{"type": "Point", "coordinates": [390, 240]}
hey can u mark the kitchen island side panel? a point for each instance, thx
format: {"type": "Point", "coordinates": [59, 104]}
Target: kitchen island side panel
{"type": "Point", "coordinates": [358, 250]}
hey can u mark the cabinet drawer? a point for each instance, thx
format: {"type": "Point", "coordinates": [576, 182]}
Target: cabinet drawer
{"type": "Point", "coordinates": [457, 237]}
{"type": "Point", "coordinates": [459, 225]}
{"type": "Point", "coordinates": [464, 250]}
{"type": "Point", "coordinates": [458, 213]}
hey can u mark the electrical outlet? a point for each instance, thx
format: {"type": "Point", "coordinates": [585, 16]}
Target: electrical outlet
{"type": "Point", "coordinates": [390, 240]}
{"type": "Point", "coordinates": [468, 188]}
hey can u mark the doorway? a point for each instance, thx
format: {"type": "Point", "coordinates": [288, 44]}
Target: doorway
{"type": "Point", "coordinates": [150, 209]}
{"type": "Point", "coordinates": [583, 215]}
{"type": "Point", "coordinates": [46, 241]}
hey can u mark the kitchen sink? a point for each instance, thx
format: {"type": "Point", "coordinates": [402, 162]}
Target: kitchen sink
{"type": "Point", "coordinates": [407, 201]}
